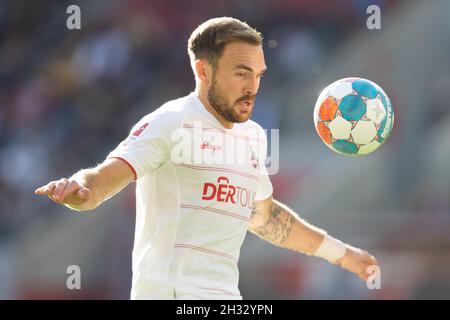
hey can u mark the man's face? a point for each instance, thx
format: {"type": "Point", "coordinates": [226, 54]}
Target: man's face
{"type": "Point", "coordinates": [235, 81]}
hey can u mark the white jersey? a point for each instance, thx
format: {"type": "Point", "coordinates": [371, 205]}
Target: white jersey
{"type": "Point", "coordinates": [194, 195]}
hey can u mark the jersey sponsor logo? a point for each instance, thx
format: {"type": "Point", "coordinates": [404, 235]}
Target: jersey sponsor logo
{"type": "Point", "coordinates": [223, 191]}
{"type": "Point", "coordinates": [139, 131]}
{"type": "Point", "coordinates": [210, 146]}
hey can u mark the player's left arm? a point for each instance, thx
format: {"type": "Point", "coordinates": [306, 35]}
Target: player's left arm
{"type": "Point", "coordinates": [278, 224]}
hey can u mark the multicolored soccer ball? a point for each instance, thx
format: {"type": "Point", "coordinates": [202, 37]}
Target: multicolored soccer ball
{"type": "Point", "coordinates": [353, 116]}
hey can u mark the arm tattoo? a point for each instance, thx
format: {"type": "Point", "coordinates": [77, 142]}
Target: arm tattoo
{"type": "Point", "coordinates": [254, 210]}
{"type": "Point", "coordinates": [279, 225]}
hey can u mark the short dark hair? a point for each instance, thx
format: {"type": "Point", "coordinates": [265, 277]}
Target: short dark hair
{"type": "Point", "coordinates": [209, 39]}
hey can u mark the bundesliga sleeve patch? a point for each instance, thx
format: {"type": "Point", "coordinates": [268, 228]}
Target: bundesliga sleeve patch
{"type": "Point", "coordinates": [139, 131]}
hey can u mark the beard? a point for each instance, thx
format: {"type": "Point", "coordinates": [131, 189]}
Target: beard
{"type": "Point", "coordinates": [229, 113]}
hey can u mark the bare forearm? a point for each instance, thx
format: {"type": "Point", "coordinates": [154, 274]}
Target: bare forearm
{"type": "Point", "coordinates": [283, 227]}
{"type": "Point", "coordinates": [103, 185]}
{"type": "Point", "coordinates": [276, 223]}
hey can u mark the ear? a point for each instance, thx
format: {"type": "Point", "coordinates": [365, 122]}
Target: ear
{"type": "Point", "coordinates": [203, 70]}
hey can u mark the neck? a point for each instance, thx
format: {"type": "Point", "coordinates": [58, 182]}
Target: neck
{"type": "Point", "coordinates": [202, 95]}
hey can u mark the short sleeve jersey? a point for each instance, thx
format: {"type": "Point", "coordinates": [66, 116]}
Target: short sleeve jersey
{"type": "Point", "coordinates": [196, 182]}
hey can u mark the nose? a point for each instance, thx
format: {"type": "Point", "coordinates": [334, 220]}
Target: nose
{"type": "Point", "coordinates": [252, 86]}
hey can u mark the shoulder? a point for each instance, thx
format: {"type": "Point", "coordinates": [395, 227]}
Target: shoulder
{"type": "Point", "coordinates": [171, 112]}
{"type": "Point", "coordinates": [167, 117]}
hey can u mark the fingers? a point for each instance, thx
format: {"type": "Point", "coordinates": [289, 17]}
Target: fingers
{"type": "Point", "coordinates": [46, 189]}
{"type": "Point", "coordinates": [369, 263]}
{"type": "Point", "coordinates": [361, 263]}
{"type": "Point", "coordinates": [69, 187]}
{"type": "Point", "coordinates": [60, 190]}
{"type": "Point", "coordinates": [84, 193]}
{"type": "Point", "coordinates": [364, 275]}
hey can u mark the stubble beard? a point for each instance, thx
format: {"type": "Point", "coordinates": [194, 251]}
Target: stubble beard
{"type": "Point", "coordinates": [217, 101]}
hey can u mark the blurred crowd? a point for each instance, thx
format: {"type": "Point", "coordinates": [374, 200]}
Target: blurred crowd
{"type": "Point", "coordinates": [67, 97]}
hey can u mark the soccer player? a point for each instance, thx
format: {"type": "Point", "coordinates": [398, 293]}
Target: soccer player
{"type": "Point", "coordinates": [192, 215]}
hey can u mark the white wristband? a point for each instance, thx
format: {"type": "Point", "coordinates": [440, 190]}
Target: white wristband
{"type": "Point", "coordinates": [331, 249]}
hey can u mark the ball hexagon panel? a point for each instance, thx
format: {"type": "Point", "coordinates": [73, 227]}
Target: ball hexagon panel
{"type": "Point", "coordinates": [328, 109]}
{"type": "Point", "coordinates": [375, 110]}
{"type": "Point", "coordinates": [345, 146]}
{"type": "Point", "coordinates": [340, 128]}
{"type": "Point", "coordinates": [341, 90]}
{"type": "Point", "coordinates": [324, 132]}
{"type": "Point", "coordinates": [352, 107]}
{"type": "Point", "coordinates": [365, 88]}
{"type": "Point", "coordinates": [364, 132]}
{"type": "Point", "coordinates": [368, 148]}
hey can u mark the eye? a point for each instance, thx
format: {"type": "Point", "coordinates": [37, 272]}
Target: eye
{"type": "Point", "coordinates": [241, 74]}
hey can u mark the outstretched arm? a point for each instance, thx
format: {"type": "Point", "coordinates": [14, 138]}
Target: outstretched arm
{"type": "Point", "coordinates": [88, 188]}
{"type": "Point", "coordinates": [276, 223]}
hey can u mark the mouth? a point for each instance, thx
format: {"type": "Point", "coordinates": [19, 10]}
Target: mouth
{"type": "Point", "coordinates": [245, 105]}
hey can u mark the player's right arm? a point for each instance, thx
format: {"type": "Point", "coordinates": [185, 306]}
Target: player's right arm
{"type": "Point", "coordinates": [88, 188]}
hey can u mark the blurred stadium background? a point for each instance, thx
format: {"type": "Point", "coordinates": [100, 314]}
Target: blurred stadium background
{"type": "Point", "coordinates": [68, 97]}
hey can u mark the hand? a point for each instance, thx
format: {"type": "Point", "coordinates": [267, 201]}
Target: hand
{"type": "Point", "coordinates": [357, 261]}
{"type": "Point", "coordinates": [65, 191]}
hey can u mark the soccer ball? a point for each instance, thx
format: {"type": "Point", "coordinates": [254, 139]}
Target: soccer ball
{"type": "Point", "coordinates": [353, 116]}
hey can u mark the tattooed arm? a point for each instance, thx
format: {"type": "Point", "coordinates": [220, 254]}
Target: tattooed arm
{"type": "Point", "coordinates": [276, 223]}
